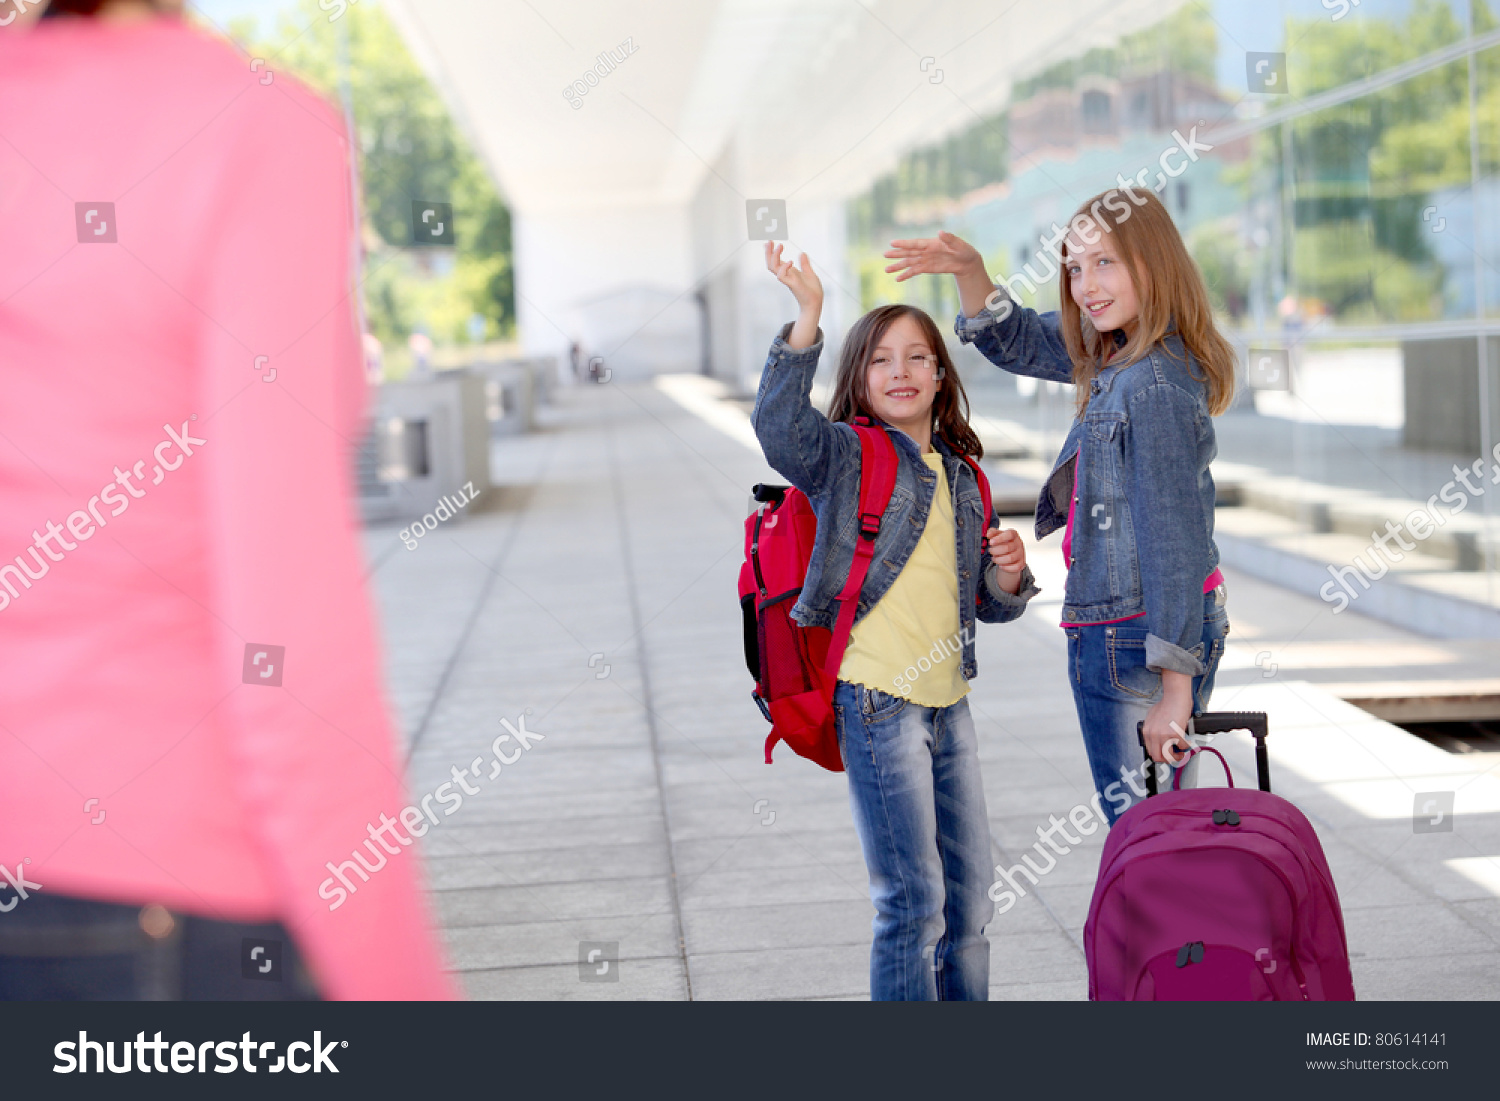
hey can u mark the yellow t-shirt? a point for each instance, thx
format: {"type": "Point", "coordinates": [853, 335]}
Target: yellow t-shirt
{"type": "Point", "coordinates": [908, 644]}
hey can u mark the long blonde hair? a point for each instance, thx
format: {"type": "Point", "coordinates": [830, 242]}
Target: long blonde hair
{"type": "Point", "coordinates": [1168, 288]}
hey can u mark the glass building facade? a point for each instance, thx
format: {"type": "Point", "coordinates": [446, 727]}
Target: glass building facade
{"type": "Point", "coordinates": [1342, 202]}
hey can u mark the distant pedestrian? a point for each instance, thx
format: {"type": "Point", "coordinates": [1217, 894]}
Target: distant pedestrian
{"type": "Point", "coordinates": [420, 346]}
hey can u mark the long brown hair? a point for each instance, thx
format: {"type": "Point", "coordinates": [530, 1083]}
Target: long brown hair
{"type": "Point", "coordinates": [851, 397]}
{"type": "Point", "coordinates": [1168, 287]}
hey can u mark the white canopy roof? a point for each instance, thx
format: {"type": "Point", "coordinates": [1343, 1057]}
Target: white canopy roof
{"type": "Point", "coordinates": [816, 97]}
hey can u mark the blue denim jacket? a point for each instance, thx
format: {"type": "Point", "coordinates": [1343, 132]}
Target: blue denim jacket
{"type": "Point", "coordinates": [1144, 516]}
{"type": "Point", "coordinates": [822, 459]}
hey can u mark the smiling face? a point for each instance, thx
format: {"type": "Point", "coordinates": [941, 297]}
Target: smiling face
{"type": "Point", "coordinates": [1100, 282]}
{"type": "Point", "coordinates": [901, 378]}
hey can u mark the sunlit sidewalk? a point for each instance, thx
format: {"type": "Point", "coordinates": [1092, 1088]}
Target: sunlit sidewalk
{"type": "Point", "coordinates": [567, 664]}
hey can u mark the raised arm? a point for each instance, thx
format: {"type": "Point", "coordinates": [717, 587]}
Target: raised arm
{"type": "Point", "coordinates": [806, 288]}
{"type": "Point", "coordinates": [1010, 336]}
{"type": "Point", "coordinates": [799, 442]}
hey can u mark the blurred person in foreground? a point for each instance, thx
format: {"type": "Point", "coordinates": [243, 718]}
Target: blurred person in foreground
{"type": "Point", "coordinates": [193, 731]}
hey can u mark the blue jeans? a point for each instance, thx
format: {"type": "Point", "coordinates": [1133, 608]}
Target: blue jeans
{"type": "Point", "coordinates": [919, 811]}
{"type": "Point", "coordinates": [1113, 690]}
{"type": "Point", "coordinates": [57, 948]}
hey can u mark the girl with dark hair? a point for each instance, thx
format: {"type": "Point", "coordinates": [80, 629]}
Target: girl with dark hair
{"type": "Point", "coordinates": [905, 733]}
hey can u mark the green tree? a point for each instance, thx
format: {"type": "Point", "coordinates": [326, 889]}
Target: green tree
{"type": "Point", "coordinates": [1220, 256]}
{"type": "Point", "coordinates": [1362, 172]}
{"type": "Point", "coordinates": [409, 149]}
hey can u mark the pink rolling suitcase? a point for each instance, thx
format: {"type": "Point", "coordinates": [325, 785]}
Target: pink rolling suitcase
{"type": "Point", "coordinates": [1216, 894]}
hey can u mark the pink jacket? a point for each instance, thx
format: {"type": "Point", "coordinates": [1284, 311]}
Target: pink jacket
{"type": "Point", "coordinates": [169, 509]}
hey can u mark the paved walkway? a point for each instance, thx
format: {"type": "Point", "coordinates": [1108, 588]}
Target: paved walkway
{"type": "Point", "coordinates": [593, 598]}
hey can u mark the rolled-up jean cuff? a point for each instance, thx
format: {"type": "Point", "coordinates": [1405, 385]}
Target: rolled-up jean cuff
{"type": "Point", "coordinates": [782, 352]}
{"type": "Point", "coordinates": [1162, 656]}
{"type": "Point", "coordinates": [968, 328]}
{"type": "Point", "coordinates": [1024, 592]}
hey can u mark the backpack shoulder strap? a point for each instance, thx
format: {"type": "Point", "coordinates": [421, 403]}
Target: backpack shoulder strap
{"type": "Point", "coordinates": [984, 491]}
{"type": "Point", "coordinates": [989, 507]}
{"type": "Point", "coordinates": [877, 481]}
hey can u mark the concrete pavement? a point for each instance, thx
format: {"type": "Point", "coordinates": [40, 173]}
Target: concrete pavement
{"type": "Point", "coordinates": [639, 848]}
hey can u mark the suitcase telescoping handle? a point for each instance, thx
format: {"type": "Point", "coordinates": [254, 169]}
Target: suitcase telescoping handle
{"type": "Point", "coordinates": [1221, 722]}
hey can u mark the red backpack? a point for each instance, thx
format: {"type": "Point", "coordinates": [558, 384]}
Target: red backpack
{"type": "Point", "coordinates": [795, 667]}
